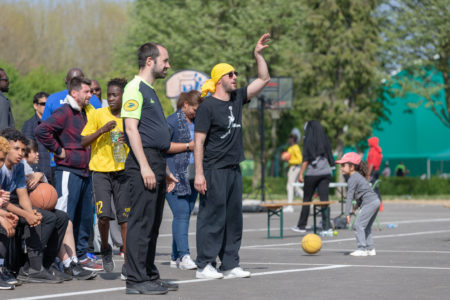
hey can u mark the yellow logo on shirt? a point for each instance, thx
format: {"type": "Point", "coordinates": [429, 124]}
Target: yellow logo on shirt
{"type": "Point", "coordinates": [131, 105]}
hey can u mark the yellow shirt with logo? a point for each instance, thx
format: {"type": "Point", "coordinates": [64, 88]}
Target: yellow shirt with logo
{"type": "Point", "coordinates": [296, 155]}
{"type": "Point", "coordinates": [102, 158]}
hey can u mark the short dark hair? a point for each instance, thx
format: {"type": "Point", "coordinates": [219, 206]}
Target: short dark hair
{"type": "Point", "coordinates": [12, 134]}
{"type": "Point", "coordinates": [76, 82]}
{"type": "Point", "coordinates": [39, 95]}
{"type": "Point", "coordinates": [32, 146]}
{"type": "Point", "coordinates": [192, 98]}
{"type": "Point", "coordinates": [147, 50]}
{"type": "Point", "coordinates": [119, 82]}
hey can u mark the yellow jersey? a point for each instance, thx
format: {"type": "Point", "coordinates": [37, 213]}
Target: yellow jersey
{"type": "Point", "coordinates": [102, 158]}
{"type": "Point", "coordinates": [296, 155]}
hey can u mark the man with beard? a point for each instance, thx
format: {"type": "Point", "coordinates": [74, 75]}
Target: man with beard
{"type": "Point", "coordinates": [218, 150]}
{"type": "Point", "coordinates": [6, 116]}
{"type": "Point", "coordinates": [148, 136]}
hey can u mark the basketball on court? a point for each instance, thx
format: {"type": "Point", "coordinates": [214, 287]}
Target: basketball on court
{"type": "Point", "coordinates": [44, 196]}
{"type": "Point", "coordinates": [311, 243]}
{"type": "Point", "coordinates": [285, 156]}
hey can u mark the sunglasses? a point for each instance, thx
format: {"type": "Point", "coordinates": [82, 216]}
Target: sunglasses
{"type": "Point", "coordinates": [5, 79]}
{"type": "Point", "coordinates": [230, 75]}
{"type": "Point", "coordinates": [95, 90]}
{"type": "Point", "coordinates": [41, 103]}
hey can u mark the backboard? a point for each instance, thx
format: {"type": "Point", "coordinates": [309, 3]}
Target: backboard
{"type": "Point", "coordinates": [277, 94]}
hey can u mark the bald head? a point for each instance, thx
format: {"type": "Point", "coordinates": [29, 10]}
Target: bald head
{"type": "Point", "coordinates": [74, 72]}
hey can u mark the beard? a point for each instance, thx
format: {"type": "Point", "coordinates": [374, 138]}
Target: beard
{"type": "Point", "coordinates": [228, 87]}
{"type": "Point", "coordinates": [159, 73]}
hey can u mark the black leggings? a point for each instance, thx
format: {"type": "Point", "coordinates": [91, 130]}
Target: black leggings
{"type": "Point", "coordinates": [320, 182]}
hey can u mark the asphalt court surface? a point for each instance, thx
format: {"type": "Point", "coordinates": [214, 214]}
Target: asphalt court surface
{"type": "Point", "coordinates": [412, 262]}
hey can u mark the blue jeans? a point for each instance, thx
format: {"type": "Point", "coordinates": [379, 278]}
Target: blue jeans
{"type": "Point", "coordinates": [181, 207]}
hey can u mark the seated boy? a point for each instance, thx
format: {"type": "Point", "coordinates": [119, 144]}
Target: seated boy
{"type": "Point", "coordinates": [8, 223]}
{"type": "Point", "coordinates": [40, 229]}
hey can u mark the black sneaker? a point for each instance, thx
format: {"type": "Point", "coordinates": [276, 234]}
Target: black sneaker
{"type": "Point", "coordinates": [8, 277]}
{"type": "Point", "coordinates": [168, 285]}
{"type": "Point", "coordinates": [78, 272]}
{"type": "Point", "coordinates": [5, 286]}
{"type": "Point", "coordinates": [108, 261]}
{"type": "Point", "coordinates": [58, 274]}
{"type": "Point", "coordinates": [123, 275]}
{"type": "Point", "coordinates": [146, 287]}
{"type": "Point", "coordinates": [43, 276]}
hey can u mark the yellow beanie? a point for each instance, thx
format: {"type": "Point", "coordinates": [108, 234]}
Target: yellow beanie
{"type": "Point", "coordinates": [217, 72]}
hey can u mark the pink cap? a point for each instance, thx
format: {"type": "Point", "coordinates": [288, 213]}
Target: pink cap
{"type": "Point", "coordinates": [351, 157]}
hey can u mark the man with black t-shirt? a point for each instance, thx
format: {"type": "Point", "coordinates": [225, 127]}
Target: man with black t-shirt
{"type": "Point", "coordinates": [218, 151]}
{"type": "Point", "coordinates": [148, 136]}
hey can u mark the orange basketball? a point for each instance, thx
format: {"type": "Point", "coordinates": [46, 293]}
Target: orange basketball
{"type": "Point", "coordinates": [285, 156]}
{"type": "Point", "coordinates": [44, 196]}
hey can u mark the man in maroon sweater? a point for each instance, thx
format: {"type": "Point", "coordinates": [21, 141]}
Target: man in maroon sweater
{"type": "Point", "coordinates": [61, 134]}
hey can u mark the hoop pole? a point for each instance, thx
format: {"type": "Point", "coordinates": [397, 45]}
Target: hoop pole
{"type": "Point", "coordinates": [261, 134]}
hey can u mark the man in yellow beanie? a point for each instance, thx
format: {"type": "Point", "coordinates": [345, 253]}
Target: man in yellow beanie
{"type": "Point", "coordinates": [218, 150]}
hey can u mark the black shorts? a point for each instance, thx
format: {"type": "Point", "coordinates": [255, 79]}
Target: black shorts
{"type": "Point", "coordinates": [108, 187]}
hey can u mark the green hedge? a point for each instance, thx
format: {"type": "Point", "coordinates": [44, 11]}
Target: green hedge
{"type": "Point", "coordinates": [388, 186]}
{"type": "Point", "coordinates": [414, 186]}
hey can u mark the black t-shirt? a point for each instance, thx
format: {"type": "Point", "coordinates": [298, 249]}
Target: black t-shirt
{"type": "Point", "coordinates": [141, 102]}
{"type": "Point", "coordinates": [222, 123]}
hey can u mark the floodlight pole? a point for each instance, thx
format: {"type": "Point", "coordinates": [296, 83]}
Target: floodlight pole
{"type": "Point", "coordinates": [261, 99]}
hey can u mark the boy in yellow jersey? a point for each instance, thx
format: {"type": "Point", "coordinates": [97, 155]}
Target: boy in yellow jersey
{"type": "Point", "coordinates": [104, 132]}
{"type": "Point", "coordinates": [295, 161]}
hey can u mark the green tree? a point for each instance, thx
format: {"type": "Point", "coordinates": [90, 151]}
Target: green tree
{"type": "Point", "coordinates": [418, 42]}
{"type": "Point", "coordinates": [340, 77]}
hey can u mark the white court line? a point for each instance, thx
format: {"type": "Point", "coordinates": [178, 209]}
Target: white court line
{"type": "Point", "coordinates": [327, 267]}
{"type": "Point", "coordinates": [288, 228]}
{"type": "Point", "coordinates": [349, 239]}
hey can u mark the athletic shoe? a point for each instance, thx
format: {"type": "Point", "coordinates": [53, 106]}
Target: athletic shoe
{"type": "Point", "coordinates": [78, 272]}
{"type": "Point", "coordinates": [107, 259]}
{"type": "Point", "coordinates": [8, 277]}
{"type": "Point", "coordinates": [208, 272]}
{"type": "Point", "coordinates": [297, 229]}
{"type": "Point", "coordinates": [187, 263]}
{"type": "Point", "coordinates": [371, 252]}
{"type": "Point", "coordinates": [146, 287]}
{"type": "Point", "coordinates": [5, 286]}
{"type": "Point", "coordinates": [237, 272]}
{"type": "Point", "coordinates": [90, 265]}
{"type": "Point", "coordinates": [168, 285]}
{"type": "Point", "coordinates": [288, 209]}
{"type": "Point", "coordinates": [124, 274]}
{"type": "Point", "coordinates": [43, 276]}
{"type": "Point", "coordinates": [122, 254]}
{"type": "Point", "coordinates": [174, 263]}
{"type": "Point", "coordinates": [92, 256]}
{"type": "Point", "coordinates": [359, 252]}
{"type": "Point", "coordinates": [58, 274]}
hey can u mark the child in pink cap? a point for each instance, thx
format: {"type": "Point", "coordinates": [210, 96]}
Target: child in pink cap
{"type": "Point", "coordinates": [360, 189]}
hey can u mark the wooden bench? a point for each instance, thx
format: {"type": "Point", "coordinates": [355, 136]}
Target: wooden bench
{"type": "Point", "coordinates": [276, 209]}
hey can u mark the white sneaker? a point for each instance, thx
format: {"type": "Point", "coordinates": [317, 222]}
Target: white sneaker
{"type": "Point", "coordinates": [296, 229]}
{"type": "Point", "coordinates": [359, 252]}
{"type": "Point", "coordinates": [208, 272]}
{"type": "Point", "coordinates": [371, 252]}
{"type": "Point", "coordinates": [237, 272]}
{"type": "Point", "coordinates": [174, 263]}
{"type": "Point", "coordinates": [288, 209]}
{"type": "Point", "coordinates": [187, 263]}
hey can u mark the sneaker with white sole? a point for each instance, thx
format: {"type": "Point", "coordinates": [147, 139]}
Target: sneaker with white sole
{"type": "Point", "coordinates": [359, 252]}
{"type": "Point", "coordinates": [297, 229]}
{"type": "Point", "coordinates": [174, 263]}
{"type": "Point", "coordinates": [371, 252]}
{"type": "Point", "coordinates": [208, 272]}
{"type": "Point", "coordinates": [237, 272]}
{"type": "Point", "coordinates": [187, 263]}
{"type": "Point", "coordinates": [288, 209]}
